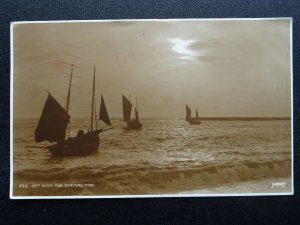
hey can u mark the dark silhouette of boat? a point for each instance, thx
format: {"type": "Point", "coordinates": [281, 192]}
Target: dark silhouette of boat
{"type": "Point", "coordinates": [55, 120]}
{"type": "Point", "coordinates": [189, 118]}
{"type": "Point", "coordinates": [133, 124]}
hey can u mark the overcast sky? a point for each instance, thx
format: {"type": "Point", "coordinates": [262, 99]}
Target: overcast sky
{"type": "Point", "coordinates": [223, 67]}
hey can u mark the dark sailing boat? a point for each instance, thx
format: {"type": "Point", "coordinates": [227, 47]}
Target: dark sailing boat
{"type": "Point", "coordinates": [189, 118]}
{"type": "Point", "coordinates": [55, 119]}
{"type": "Point", "coordinates": [127, 106]}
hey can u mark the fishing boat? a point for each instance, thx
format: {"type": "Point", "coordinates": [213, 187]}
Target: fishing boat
{"type": "Point", "coordinates": [132, 124]}
{"type": "Point", "coordinates": [55, 120]}
{"type": "Point", "coordinates": [189, 118]}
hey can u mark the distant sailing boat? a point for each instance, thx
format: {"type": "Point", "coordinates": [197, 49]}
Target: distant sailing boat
{"type": "Point", "coordinates": [53, 124]}
{"type": "Point", "coordinates": [189, 118]}
{"type": "Point", "coordinates": [127, 106]}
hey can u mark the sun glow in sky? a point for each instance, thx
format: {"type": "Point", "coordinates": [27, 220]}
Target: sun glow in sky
{"type": "Point", "coordinates": [182, 47]}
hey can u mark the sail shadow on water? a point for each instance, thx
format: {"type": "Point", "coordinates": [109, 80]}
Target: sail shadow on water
{"type": "Point", "coordinates": [54, 122]}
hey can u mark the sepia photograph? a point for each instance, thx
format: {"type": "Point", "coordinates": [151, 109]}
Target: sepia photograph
{"type": "Point", "coordinates": [151, 108]}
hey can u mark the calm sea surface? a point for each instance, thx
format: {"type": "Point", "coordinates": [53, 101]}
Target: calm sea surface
{"type": "Point", "coordinates": [167, 156]}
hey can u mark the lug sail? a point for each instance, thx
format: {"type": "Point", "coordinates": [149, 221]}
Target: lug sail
{"type": "Point", "coordinates": [127, 106]}
{"type": "Point", "coordinates": [136, 115]}
{"type": "Point", "coordinates": [103, 112]}
{"type": "Point", "coordinates": [188, 113]}
{"type": "Point", "coordinates": [53, 122]}
{"type": "Point", "coordinates": [197, 116]}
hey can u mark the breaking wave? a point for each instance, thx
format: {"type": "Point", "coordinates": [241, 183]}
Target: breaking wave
{"type": "Point", "coordinates": [151, 179]}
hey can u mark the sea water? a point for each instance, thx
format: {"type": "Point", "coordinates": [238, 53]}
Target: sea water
{"type": "Point", "coordinates": [167, 156]}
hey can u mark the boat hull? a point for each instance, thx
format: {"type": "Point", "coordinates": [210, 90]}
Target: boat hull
{"type": "Point", "coordinates": [134, 125]}
{"type": "Point", "coordinates": [193, 121]}
{"type": "Point", "coordinates": [80, 145]}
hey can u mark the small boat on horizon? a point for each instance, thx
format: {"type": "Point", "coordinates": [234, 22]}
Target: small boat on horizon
{"type": "Point", "coordinates": [132, 124]}
{"type": "Point", "coordinates": [189, 118]}
{"type": "Point", "coordinates": [55, 120]}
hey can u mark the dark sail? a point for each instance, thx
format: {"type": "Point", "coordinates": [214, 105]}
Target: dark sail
{"type": "Point", "coordinates": [103, 113]}
{"type": "Point", "coordinates": [53, 122]}
{"type": "Point", "coordinates": [188, 113]}
{"type": "Point", "coordinates": [136, 115]}
{"type": "Point", "coordinates": [127, 106]}
{"type": "Point", "coordinates": [197, 114]}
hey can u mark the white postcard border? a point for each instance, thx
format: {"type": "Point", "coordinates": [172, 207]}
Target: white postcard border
{"type": "Point", "coordinates": [155, 195]}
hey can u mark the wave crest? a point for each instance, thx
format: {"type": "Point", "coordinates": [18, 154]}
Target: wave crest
{"type": "Point", "coordinates": [151, 179]}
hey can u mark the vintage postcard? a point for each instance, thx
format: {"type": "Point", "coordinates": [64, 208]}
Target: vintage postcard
{"type": "Point", "coordinates": [150, 108]}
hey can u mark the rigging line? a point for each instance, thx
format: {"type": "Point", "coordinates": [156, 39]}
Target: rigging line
{"type": "Point", "coordinates": [69, 91]}
{"type": "Point", "coordinates": [98, 121]}
{"type": "Point", "coordinates": [100, 104]}
{"type": "Point", "coordinates": [67, 105]}
{"type": "Point", "coordinates": [96, 114]}
{"type": "Point", "coordinates": [93, 99]}
{"type": "Point", "coordinates": [90, 117]}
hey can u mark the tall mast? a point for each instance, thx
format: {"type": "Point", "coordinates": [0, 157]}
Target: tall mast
{"type": "Point", "coordinates": [93, 99]}
{"type": "Point", "coordinates": [69, 91]}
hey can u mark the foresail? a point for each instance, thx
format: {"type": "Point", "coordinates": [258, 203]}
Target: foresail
{"type": "Point", "coordinates": [53, 122]}
{"type": "Point", "coordinates": [103, 113]}
{"type": "Point", "coordinates": [136, 115]}
{"type": "Point", "coordinates": [188, 112]}
{"type": "Point", "coordinates": [127, 106]}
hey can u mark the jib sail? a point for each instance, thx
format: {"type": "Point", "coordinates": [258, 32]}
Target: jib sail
{"type": "Point", "coordinates": [103, 112]}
